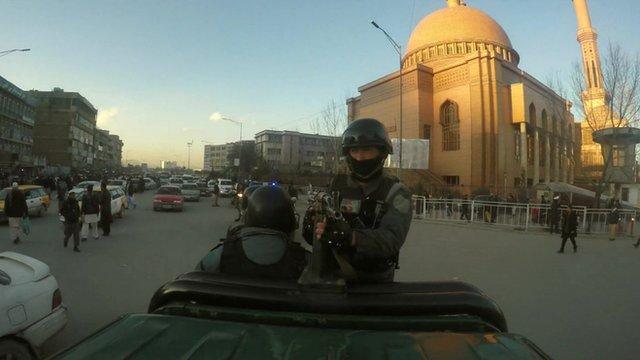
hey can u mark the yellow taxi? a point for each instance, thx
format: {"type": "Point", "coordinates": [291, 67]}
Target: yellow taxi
{"type": "Point", "coordinates": [38, 200]}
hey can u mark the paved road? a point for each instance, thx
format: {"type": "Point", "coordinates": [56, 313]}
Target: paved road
{"type": "Point", "coordinates": [575, 306]}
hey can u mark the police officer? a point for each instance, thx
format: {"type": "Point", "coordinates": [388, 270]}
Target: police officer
{"type": "Point", "coordinates": [263, 246]}
{"type": "Point", "coordinates": [376, 207]}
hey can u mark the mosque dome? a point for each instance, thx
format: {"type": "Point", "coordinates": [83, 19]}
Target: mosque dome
{"type": "Point", "coordinates": [456, 31]}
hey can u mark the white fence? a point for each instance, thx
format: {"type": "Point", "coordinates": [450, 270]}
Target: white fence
{"type": "Point", "coordinates": [519, 216]}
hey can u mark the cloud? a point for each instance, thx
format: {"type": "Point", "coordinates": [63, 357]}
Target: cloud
{"type": "Point", "coordinates": [216, 116]}
{"type": "Point", "coordinates": [107, 115]}
{"type": "Point", "coordinates": [187, 129]}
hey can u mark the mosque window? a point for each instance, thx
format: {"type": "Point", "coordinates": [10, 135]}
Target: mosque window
{"type": "Point", "coordinates": [530, 146]}
{"type": "Point", "coordinates": [533, 120]}
{"type": "Point", "coordinates": [451, 180]}
{"type": "Point", "coordinates": [450, 126]}
{"type": "Point", "coordinates": [543, 152]}
{"type": "Point", "coordinates": [426, 131]}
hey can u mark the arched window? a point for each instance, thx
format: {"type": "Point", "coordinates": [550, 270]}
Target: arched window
{"type": "Point", "coordinates": [450, 126]}
{"type": "Point", "coordinates": [545, 127]}
{"type": "Point", "coordinates": [533, 120]}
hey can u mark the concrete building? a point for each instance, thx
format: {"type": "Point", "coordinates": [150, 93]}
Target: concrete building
{"type": "Point", "coordinates": [64, 128]}
{"type": "Point", "coordinates": [17, 116]}
{"type": "Point", "coordinates": [169, 165]}
{"type": "Point", "coordinates": [108, 149]}
{"type": "Point", "coordinates": [216, 157]}
{"type": "Point", "coordinates": [490, 124]}
{"type": "Point", "coordinates": [295, 151]}
{"type": "Point", "coordinates": [116, 150]}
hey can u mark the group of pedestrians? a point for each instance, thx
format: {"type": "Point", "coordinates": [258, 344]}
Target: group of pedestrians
{"type": "Point", "coordinates": [94, 211]}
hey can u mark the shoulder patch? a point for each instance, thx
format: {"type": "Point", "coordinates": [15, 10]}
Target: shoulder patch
{"type": "Point", "coordinates": [402, 203]}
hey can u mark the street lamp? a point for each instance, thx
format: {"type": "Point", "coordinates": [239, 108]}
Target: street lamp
{"type": "Point", "coordinates": [398, 49]}
{"type": "Point", "coordinates": [7, 52]}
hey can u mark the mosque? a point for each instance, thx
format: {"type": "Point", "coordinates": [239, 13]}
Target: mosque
{"type": "Point", "coordinates": [490, 125]}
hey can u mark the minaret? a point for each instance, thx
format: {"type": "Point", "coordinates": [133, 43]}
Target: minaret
{"type": "Point", "coordinates": [594, 95]}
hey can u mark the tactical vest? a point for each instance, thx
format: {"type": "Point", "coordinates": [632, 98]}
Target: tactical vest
{"type": "Point", "coordinates": [365, 212]}
{"type": "Point", "coordinates": [234, 261]}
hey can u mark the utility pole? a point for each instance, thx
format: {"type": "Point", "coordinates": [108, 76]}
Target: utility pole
{"type": "Point", "coordinates": [189, 144]}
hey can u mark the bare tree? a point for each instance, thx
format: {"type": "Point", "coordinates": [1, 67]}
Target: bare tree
{"type": "Point", "coordinates": [621, 77]}
{"type": "Point", "coordinates": [331, 122]}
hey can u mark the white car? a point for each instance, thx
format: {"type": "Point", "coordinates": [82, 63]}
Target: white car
{"type": "Point", "coordinates": [84, 184]}
{"type": "Point", "coordinates": [149, 184]}
{"type": "Point", "coordinates": [118, 182]}
{"type": "Point", "coordinates": [31, 308]}
{"type": "Point", "coordinates": [226, 187]}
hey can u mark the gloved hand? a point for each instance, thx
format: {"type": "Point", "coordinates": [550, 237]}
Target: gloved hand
{"type": "Point", "coordinates": [338, 233]}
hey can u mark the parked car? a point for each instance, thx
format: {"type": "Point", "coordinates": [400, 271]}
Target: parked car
{"type": "Point", "coordinates": [31, 308]}
{"type": "Point", "coordinates": [205, 191]}
{"type": "Point", "coordinates": [190, 192]}
{"type": "Point", "coordinates": [168, 197]}
{"type": "Point", "coordinates": [122, 183]}
{"type": "Point", "coordinates": [176, 181]}
{"type": "Point", "coordinates": [118, 198]}
{"type": "Point", "coordinates": [37, 200]}
{"type": "Point", "coordinates": [188, 179]}
{"type": "Point", "coordinates": [149, 184]}
{"type": "Point", "coordinates": [226, 187]}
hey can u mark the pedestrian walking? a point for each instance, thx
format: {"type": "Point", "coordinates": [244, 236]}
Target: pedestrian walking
{"type": "Point", "coordinates": [105, 209]}
{"type": "Point", "coordinates": [90, 211]}
{"type": "Point", "coordinates": [70, 211]}
{"type": "Point", "coordinates": [216, 194]}
{"type": "Point", "coordinates": [464, 212]}
{"type": "Point", "coordinates": [293, 193]}
{"type": "Point", "coordinates": [569, 228]}
{"type": "Point", "coordinates": [612, 219]}
{"type": "Point", "coordinates": [131, 191]}
{"type": "Point", "coordinates": [554, 215]}
{"type": "Point", "coordinates": [15, 207]}
{"type": "Point", "coordinates": [61, 190]}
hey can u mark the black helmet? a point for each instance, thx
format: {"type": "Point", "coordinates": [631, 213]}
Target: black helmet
{"type": "Point", "coordinates": [270, 207]}
{"type": "Point", "coordinates": [245, 196]}
{"type": "Point", "coordinates": [366, 132]}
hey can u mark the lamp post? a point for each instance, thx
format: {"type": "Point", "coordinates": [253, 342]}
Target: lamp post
{"type": "Point", "coordinates": [7, 52]}
{"type": "Point", "coordinates": [398, 49]}
{"type": "Point", "coordinates": [240, 153]}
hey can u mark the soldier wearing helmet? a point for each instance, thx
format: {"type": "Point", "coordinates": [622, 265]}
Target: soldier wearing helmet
{"type": "Point", "coordinates": [376, 207]}
{"type": "Point", "coordinates": [263, 245]}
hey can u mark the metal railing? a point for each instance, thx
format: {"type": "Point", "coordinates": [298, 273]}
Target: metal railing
{"type": "Point", "coordinates": [518, 215]}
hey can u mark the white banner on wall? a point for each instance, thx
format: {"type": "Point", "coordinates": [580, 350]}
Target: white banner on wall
{"type": "Point", "coordinates": [415, 154]}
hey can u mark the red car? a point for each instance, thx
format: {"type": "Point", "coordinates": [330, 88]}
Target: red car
{"type": "Point", "coordinates": [168, 198]}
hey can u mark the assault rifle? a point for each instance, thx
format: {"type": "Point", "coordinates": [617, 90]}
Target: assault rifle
{"type": "Point", "coordinates": [322, 269]}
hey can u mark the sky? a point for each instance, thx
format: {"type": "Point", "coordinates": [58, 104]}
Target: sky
{"type": "Point", "coordinates": [158, 70]}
